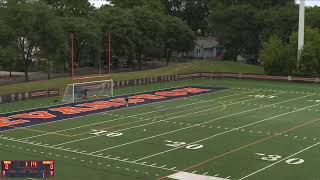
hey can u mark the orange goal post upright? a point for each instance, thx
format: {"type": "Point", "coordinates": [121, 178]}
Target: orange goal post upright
{"type": "Point", "coordinates": [108, 61]}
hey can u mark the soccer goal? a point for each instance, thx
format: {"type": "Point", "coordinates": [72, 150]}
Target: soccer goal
{"type": "Point", "coordinates": [88, 90]}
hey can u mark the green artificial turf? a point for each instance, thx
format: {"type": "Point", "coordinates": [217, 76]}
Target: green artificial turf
{"type": "Point", "coordinates": [255, 130]}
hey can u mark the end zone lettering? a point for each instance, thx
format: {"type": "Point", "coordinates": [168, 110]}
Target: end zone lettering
{"type": "Point", "coordinates": [75, 110]}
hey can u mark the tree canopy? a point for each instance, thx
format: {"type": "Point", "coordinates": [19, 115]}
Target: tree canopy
{"type": "Point", "coordinates": [38, 32]}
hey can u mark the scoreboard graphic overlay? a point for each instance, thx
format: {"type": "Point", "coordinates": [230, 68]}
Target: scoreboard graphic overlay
{"type": "Point", "coordinates": [27, 168]}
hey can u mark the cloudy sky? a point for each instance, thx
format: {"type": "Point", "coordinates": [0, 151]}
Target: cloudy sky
{"type": "Point", "coordinates": [98, 3]}
{"type": "Point", "coordinates": [311, 2]}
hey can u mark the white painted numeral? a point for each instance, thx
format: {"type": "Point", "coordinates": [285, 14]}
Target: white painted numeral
{"type": "Point", "coordinates": [187, 146]}
{"type": "Point", "coordinates": [271, 158]}
{"type": "Point", "coordinates": [194, 146]}
{"type": "Point", "coordinates": [114, 134]}
{"type": "Point", "coordinates": [263, 96]}
{"type": "Point", "coordinates": [295, 161]}
{"type": "Point", "coordinates": [175, 144]}
{"type": "Point", "coordinates": [105, 133]}
{"type": "Point", "coordinates": [98, 132]}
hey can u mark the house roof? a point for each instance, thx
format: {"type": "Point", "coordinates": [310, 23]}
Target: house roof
{"type": "Point", "coordinates": [208, 42]}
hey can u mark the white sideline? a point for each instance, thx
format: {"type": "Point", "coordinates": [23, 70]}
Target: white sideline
{"type": "Point", "coordinates": [225, 132]}
{"type": "Point", "coordinates": [58, 104]}
{"type": "Point", "coordinates": [262, 169]}
{"type": "Point", "coordinates": [92, 124]}
{"type": "Point", "coordinates": [188, 127]}
{"type": "Point", "coordinates": [97, 156]}
{"type": "Point", "coordinates": [191, 176]}
{"type": "Point", "coordinates": [102, 112]}
{"type": "Point", "coordinates": [158, 121]}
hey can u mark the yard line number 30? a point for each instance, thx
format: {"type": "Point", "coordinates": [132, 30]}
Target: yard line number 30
{"type": "Point", "coordinates": [272, 158]}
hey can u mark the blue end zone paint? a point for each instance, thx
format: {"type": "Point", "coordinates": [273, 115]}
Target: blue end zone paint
{"type": "Point", "coordinates": [60, 116]}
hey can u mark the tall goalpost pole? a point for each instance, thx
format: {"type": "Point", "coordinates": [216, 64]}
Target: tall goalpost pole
{"type": "Point", "coordinates": [72, 56]}
{"type": "Point", "coordinates": [109, 52]}
{"type": "Point", "coordinates": [301, 31]}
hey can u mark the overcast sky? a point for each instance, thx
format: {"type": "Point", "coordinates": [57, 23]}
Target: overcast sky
{"type": "Point", "coordinates": [311, 2]}
{"type": "Point", "coordinates": [98, 3]}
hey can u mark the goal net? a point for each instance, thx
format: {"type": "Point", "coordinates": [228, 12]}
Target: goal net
{"type": "Point", "coordinates": [88, 90]}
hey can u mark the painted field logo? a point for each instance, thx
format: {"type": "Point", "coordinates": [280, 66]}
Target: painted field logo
{"type": "Point", "coordinates": [75, 110]}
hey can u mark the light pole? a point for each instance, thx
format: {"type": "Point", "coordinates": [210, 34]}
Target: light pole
{"type": "Point", "coordinates": [301, 31]}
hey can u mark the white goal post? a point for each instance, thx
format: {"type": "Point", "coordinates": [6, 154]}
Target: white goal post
{"type": "Point", "coordinates": [88, 90]}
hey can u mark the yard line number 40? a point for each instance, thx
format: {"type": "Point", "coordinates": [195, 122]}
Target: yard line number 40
{"type": "Point", "coordinates": [272, 158]}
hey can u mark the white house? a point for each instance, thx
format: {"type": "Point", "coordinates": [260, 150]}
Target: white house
{"type": "Point", "coordinates": [206, 48]}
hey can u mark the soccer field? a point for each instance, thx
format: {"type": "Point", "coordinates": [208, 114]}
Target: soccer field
{"type": "Point", "coordinates": [253, 130]}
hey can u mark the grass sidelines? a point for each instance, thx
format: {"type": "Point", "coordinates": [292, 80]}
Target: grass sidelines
{"type": "Point", "coordinates": [171, 139]}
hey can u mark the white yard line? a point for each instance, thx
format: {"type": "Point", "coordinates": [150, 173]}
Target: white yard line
{"type": "Point", "coordinates": [262, 169]}
{"type": "Point", "coordinates": [225, 132]}
{"type": "Point", "coordinates": [131, 162]}
{"type": "Point", "coordinates": [97, 156]}
{"type": "Point", "coordinates": [188, 127]}
{"type": "Point", "coordinates": [102, 122]}
{"type": "Point", "coordinates": [174, 117]}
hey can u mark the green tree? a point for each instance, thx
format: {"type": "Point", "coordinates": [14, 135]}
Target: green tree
{"type": "Point", "coordinates": [87, 34]}
{"type": "Point", "coordinates": [279, 20]}
{"type": "Point", "coordinates": [153, 5]}
{"type": "Point", "coordinates": [310, 55]}
{"type": "Point", "coordinates": [149, 41]}
{"type": "Point", "coordinates": [8, 58]}
{"type": "Point", "coordinates": [261, 4]}
{"type": "Point", "coordinates": [8, 50]}
{"type": "Point", "coordinates": [32, 22]}
{"type": "Point", "coordinates": [237, 28]}
{"type": "Point", "coordinates": [242, 25]}
{"type": "Point", "coordinates": [178, 37]}
{"type": "Point", "coordinates": [275, 57]}
{"type": "Point", "coordinates": [120, 23]}
{"type": "Point", "coordinates": [78, 8]}
{"type": "Point", "coordinates": [51, 42]}
{"type": "Point", "coordinates": [195, 12]}
{"type": "Point", "coordinates": [313, 17]}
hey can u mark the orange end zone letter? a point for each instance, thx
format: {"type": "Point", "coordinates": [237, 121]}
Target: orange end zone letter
{"type": "Point", "coordinates": [192, 90]}
{"type": "Point", "coordinates": [101, 104]}
{"type": "Point", "coordinates": [35, 115]}
{"type": "Point", "coordinates": [147, 96]}
{"type": "Point", "coordinates": [171, 93]}
{"type": "Point", "coordinates": [71, 110]}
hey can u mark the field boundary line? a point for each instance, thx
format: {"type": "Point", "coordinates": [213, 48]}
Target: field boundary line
{"type": "Point", "coordinates": [35, 108]}
{"type": "Point", "coordinates": [96, 156]}
{"type": "Point", "coordinates": [118, 118]}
